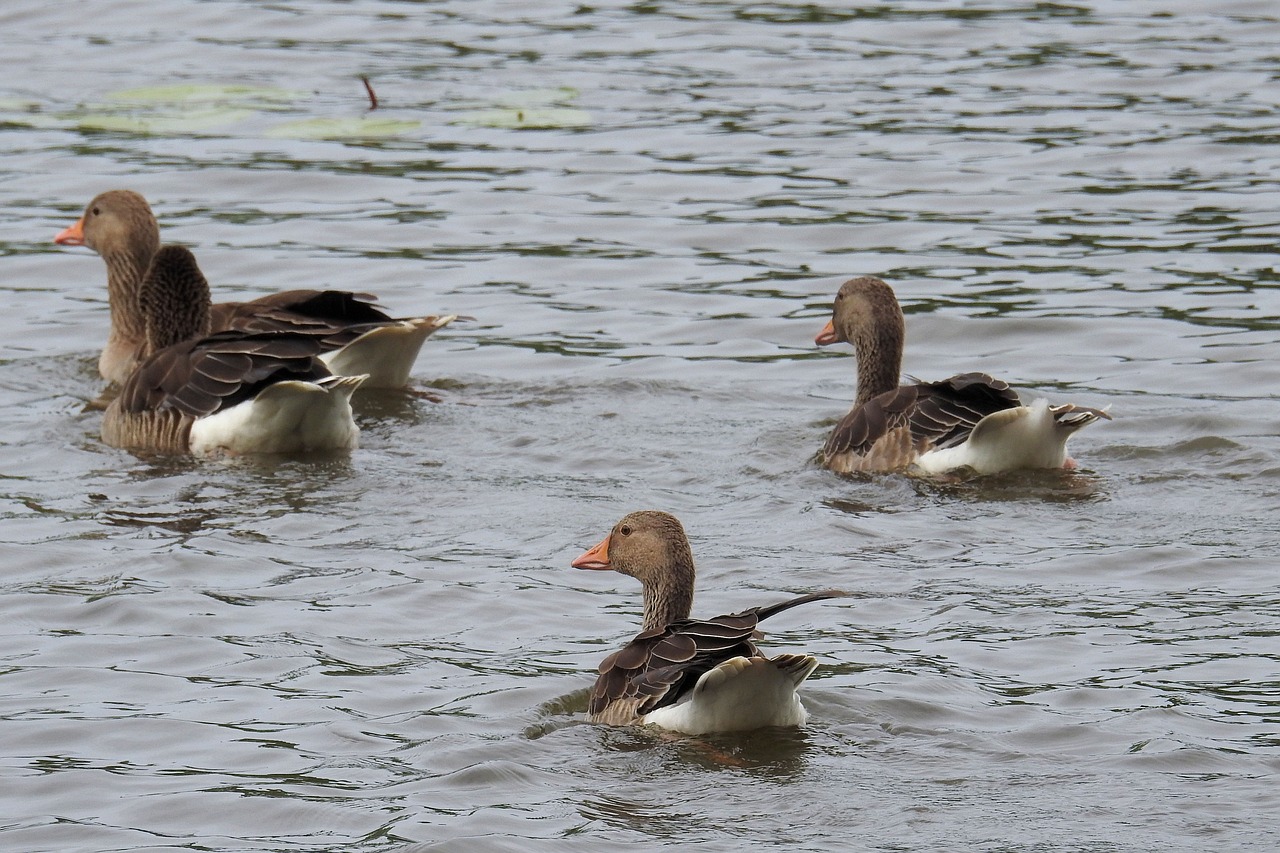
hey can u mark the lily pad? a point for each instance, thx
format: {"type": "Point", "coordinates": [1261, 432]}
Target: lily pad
{"type": "Point", "coordinates": [186, 109]}
{"type": "Point", "coordinates": [532, 118]}
{"type": "Point", "coordinates": [344, 128]}
{"type": "Point", "coordinates": [163, 123]}
{"type": "Point", "coordinates": [18, 105]}
{"type": "Point", "coordinates": [259, 97]}
{"type": "Point", "coordinates": [537, 97]}
{"type": "Point", "coordinates": [22, 113]}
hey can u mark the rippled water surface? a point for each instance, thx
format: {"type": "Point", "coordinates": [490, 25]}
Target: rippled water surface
{"type": "Point", "coordinates": [646, 209]}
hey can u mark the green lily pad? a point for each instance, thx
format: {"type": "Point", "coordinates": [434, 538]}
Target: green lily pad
{"type": "Point", "coordinates": [187, 109]}
{"type": "Point", "coordinates": [260, 97]}
{"type": "Point", "coordinates": [533, 118]}
{"type": "Point", "coordinates": [537, 97]}
{"type": "Point", "coordinates": [22, 113]}
{"type": "Point", "coordinates": [163, 123]}
{"type": "Point", "coordinates": [344, 128]}
{"type": "Point", "coordinates": [18, 105]}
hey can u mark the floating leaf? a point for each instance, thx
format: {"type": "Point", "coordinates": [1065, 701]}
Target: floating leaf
{"type": "Point", "coordinates": [22, 113]}
{"type": "Point", "coordinates": [344, 128]}
{"type": "Point", "coordinates": [190, 109]}
{"type": "Point", "coordinates": [18, 105]}
{"type": "Point", "coordinates": [163, 123]}
{"type": "Point", "coordinates": [537, 97]}
{"type": "Point", "coordinates": [533, 118]}
{"type": "Point", "coordinates": [529, 109]}
{"type": "Point", "coordinates": [245, 96]}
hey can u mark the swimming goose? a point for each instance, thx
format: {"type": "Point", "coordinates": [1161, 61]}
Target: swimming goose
{"type": "Point", "coordinates": [355, 335]}
{"type": "Point", "coordinates": [689, 675]}
{"type": "Point", "coordinates": [967, 421]}
{"type": "Point", "coordinates": [229, 392]}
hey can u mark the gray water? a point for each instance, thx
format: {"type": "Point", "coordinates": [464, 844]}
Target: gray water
{"type": "Point", "coordinates": [388, 651]}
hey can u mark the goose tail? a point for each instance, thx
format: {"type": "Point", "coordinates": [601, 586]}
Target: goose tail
{"type": "Point", "coordinates": [386, 353]}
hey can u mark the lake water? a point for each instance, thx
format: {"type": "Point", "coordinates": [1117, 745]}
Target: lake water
{"type": "Point", "coordinates": [388, 650]}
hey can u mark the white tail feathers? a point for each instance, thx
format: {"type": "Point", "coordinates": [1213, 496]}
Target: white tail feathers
{"type": "Point", "coordinates": [1075, 417]}
{"type": "Point", "coordinates": [285, 417]}
{"type": "Point", "coordinates": [1033, 436]}
{"type": "Point", "coordinates": [741, 694]}
{"type": "Point", "coordinates": [386, 354]}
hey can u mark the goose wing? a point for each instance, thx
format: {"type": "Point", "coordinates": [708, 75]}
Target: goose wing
{"type": "Point", "coordinates": [203, 376]}
{"type": "Point", "coordinates": [334, 317]}
{"type": "Point", "coordinates": [656, 667]}
{"type": "Point", "coordinates": [659, 666]}
{"type": "Point", "coordinates": [938, 414]}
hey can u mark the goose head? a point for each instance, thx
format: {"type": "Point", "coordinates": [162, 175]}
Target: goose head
{"type": "Point", "coordinates": [651, 547]}
{"type": "Point", "coordinates": [866, 314]}
{"type": "Point", "coordinates": [115, 223]}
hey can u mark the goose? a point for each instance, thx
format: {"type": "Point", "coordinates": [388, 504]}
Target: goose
{"type": "Point", "coordinates": [355, 335]}
{"type": "Point", "coordinates": [230, 392]}
{"type": "Point", "coordinates": [692, 676]}
{"type": "Point", "coordinates": [968, 421]}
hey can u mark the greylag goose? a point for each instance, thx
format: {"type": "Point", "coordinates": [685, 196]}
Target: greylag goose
{"type": "Point", "coordinates": [689, 675]}
{"type": "Point", "coordinates": [355, 335]}
{"type": "Point", "coordinates": [230, 392]}
{"type": "Point", "coordinates": [968, 421]}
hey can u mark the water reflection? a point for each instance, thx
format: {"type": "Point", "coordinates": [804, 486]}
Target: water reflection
{"type": "Point", "coordinates": [697, 769]}
{"type": "Point", "coordinates": [1064, 487]}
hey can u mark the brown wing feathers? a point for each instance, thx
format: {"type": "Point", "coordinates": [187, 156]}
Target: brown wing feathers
{"type": "Point", "coordinates": [947, 411]}
{"type": "Point", "coordinates": [762, 613]}
{"type": "Point", "coordinates": [201, 377]}
{"type": "Point", "coordinates": [335, 317]}
{"type": "Point", "coordinates": [939, 414]}
{"type": "Point", "coordinates": [859, 430]}
{"type": "Point", "coordinates": [657, 667]}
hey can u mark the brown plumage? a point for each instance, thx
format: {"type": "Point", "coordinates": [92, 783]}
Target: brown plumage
{"type": "Point", "coordinates": [120, 227]}
{"type": "Point", "coordinates": [335, 317]}
{"type": "Point", "coordinates": [892, 427]}
{"type": "Point", "coordinates": [185, 375]}
{"type": "Point", "coordinates": [678, 663]}
{"type": "Point", "coordinates": [920, 416]}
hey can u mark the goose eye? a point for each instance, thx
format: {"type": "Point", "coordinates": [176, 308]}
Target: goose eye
{"type": "Point", "coordinates": [95, 211]}
{"type": "Point", "coordinates": [625, 530]}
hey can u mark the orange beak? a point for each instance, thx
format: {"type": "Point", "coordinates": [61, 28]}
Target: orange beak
{"type": "Point", "coordinates": [73, 236]}
{"type": "Point", "coordinates": [827, 335]}
{"type": "Point", "coordinates": [596, 558]}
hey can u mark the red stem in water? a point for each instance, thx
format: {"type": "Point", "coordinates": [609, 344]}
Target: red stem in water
{"type": "Point", "coordinates": [368, 87]}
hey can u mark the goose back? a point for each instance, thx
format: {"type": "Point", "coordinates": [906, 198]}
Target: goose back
{"type": "Point", "coordinates": [659, 666]}
{"type": "Point", "coordinates": [180, 384]}
{"type": "Point", "coordinates": [892, 429]}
